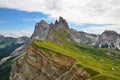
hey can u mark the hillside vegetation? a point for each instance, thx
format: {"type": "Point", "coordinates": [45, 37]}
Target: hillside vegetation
{"type": "Point", "coordinates": [94, 60]}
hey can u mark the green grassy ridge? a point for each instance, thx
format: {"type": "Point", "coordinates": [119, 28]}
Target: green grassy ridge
{"type": "Point", "coordinates": [90, 58]}
{"type": "Point", "coordinates": [6, 41]}
{"type": "Point", "coordinates": [61, 36]}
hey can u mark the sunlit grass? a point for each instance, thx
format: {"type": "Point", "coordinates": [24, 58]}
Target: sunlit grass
{"type": "Point", "coordinates": [89, 58]}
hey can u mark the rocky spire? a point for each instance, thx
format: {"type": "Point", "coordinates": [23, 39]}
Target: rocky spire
{"type": "Point", "coordinates": [41, 31]}
{"type": "Point", "coordinates": [61, 19]}
{"type": "Point", "coordinates": [61, 25]}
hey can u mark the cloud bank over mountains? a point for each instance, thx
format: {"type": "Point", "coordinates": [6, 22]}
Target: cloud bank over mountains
{"type": "Point", "coordinates": [77, 11]}
{"type": "Point", "coordinates": [74, 11]}
{"type": "Point", "coordinates": [16, 34]}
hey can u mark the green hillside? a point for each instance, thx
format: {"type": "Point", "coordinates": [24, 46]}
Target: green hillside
{"type": "Point", "coordinates": [6, 41]}
{"type": "Point", "coordinates": [94, 60]}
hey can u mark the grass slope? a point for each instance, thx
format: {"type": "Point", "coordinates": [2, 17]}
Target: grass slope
{"type": "Point", "coordinates": [93, 60]}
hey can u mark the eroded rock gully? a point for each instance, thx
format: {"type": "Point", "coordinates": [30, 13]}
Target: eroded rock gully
{"type": "Point", "coordinates": [41, 64]}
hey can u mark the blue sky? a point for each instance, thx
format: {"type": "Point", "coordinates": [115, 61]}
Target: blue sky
{"type": "Point", "coordinates": [17, 18]}
{"type": "Point", "coordinates": [12, 19]}
{"type": "Point", "coordinates": [17, 21]}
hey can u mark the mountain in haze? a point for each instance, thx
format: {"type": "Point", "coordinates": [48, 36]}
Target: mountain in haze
{"type": "Point", "coordinates": [108, 39]}
{"type": "Point", "coordinates": [7, 47]}
{"type": "Point", "coordinates": [9, 44]}
{"type": "Point", "coordinates": [55, 52]}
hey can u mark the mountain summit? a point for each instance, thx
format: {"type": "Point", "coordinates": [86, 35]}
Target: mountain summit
{"type": "Point", "coordinates": [56, 53]}
{"type": "Point", "coordinates": [45, 62]}
{"type": "Point", "coordinates": [42, 31]}
{"type": "Point", "coordinates": [109, 39]}
{"type": "Point", "coordinates": [45, 31]}
{"type": "Point", "coordinates": [61, 25]}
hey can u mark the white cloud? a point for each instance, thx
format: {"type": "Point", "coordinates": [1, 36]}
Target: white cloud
{"type": "Point", "coordinates": [76, 11]}
{"type": "Point", "coordinates": [16, 34]}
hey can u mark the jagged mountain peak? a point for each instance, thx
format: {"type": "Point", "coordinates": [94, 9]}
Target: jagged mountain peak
{"type": "Point", "coordinates": [42, 23]}
{"type": "Point", "coordinates": [110, 34]}
{"type": "Point", "coordinates": [61, 25]}
{"type": "Point", "coordinates": [61, 19]}
{"type": "Point", "coordinates": [56, 22]}
{"type": "Point", "coordinates": [43, 30]}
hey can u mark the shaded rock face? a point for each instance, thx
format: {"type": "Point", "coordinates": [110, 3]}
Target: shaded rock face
{"type": "Point", "coordinates": [109, 39]}
{"type": "Point", "coordinates": [82, 37]}
{"type": "Point", "coordinates": [61, 25]}
{"type": "Point", "coordinates": [42, 31]}
{"type": "Point", "coordinates": [39, 64]}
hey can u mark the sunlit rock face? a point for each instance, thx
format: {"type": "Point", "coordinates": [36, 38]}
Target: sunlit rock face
{"type": "Point", "coordinates": [109, 39]}
{"type": "Point", "coordinates": [82, 37]}
{"type": "Point", "coordinates": [41, 31]}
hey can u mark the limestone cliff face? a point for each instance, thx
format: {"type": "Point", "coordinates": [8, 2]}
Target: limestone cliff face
{"type": "Point", "coordinates": [109, 39]}
{"type": "Point", "coordinates": [40, 64]}
{"type": "Point", "coordinates": [42, 31]}
{"type": "Point", "coordinates": [82, 37]}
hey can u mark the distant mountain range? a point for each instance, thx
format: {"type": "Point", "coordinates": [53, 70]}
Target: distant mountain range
{"type": "Point", "coordinates": [108, 39]}
{"type": "Point", "coordinates": [9, 44]}
{"type": "Point", "coordinates": [55, 52]}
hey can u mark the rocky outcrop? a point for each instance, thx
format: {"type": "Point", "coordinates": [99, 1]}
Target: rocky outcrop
{"type": "Point", "coordinates": [42, 31]}
{"type": "Point", "coordinates": [45, 31]}
{"type": "Point", "coordinates": [108, 39]}
{"type": "Point", "coordinates": [82, 37]}
{"type": "Point", "coordinates": [61, 25]}
{"type": "Point", "coordinates": [40, 64]}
